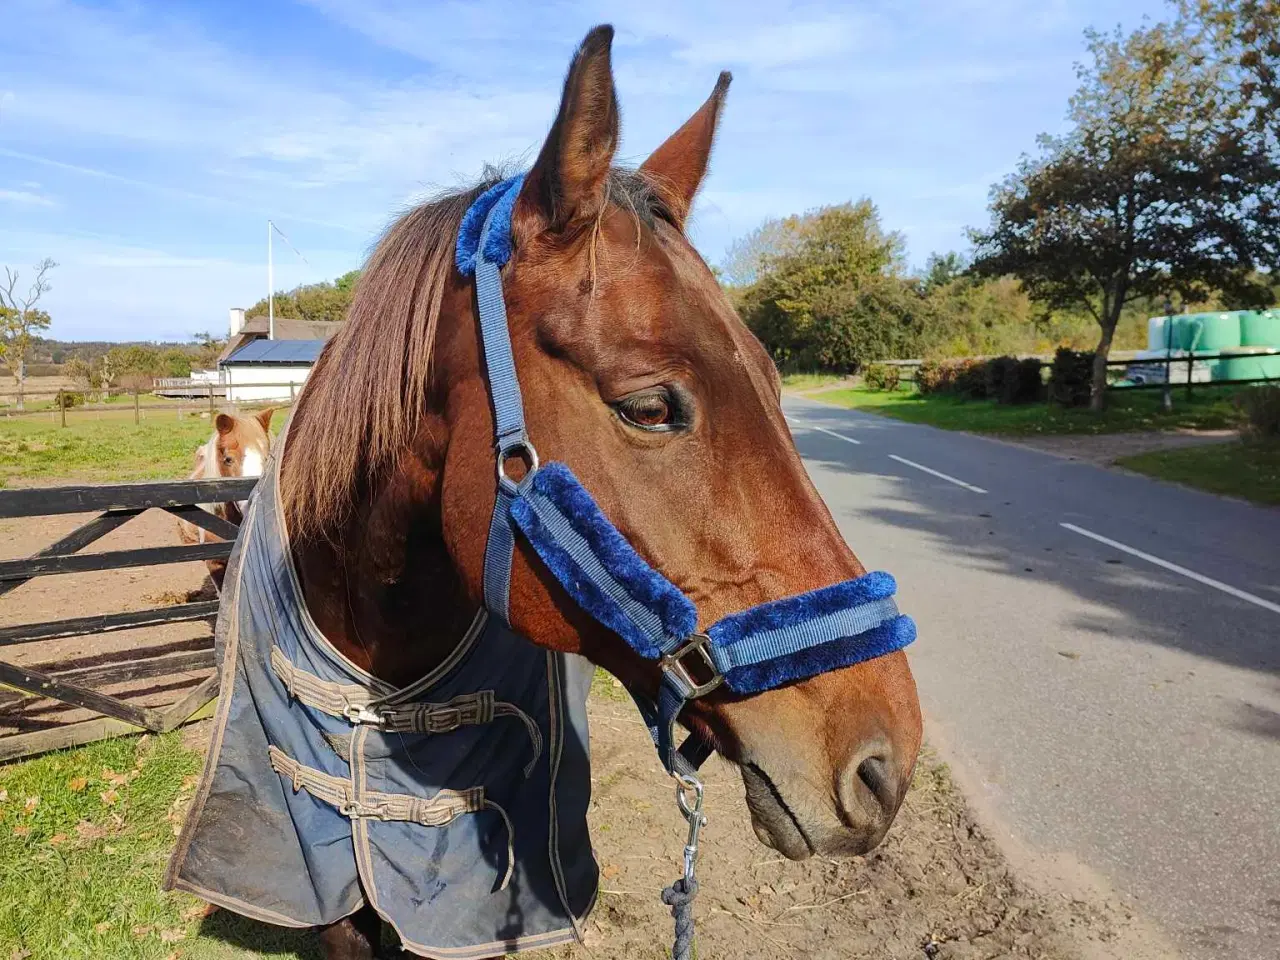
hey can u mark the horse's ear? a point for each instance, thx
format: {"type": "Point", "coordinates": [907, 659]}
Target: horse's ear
{"type": "Point", "coordinates": [224, 423]}
{"type": "Point", "coordinates": [264, 418]}
{"type": "Point", "coordinates": [675, 170]}
{"type": "Point", "coordinates": [567, 182]}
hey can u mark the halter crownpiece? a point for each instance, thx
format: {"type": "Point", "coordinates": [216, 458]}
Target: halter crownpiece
{"type": "Point", "coordinates": [757, 649]}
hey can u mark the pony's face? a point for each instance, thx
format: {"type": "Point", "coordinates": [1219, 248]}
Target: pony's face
{"type": "Point", "coordinates": [639, 375]}
{"type": "Point", "coordinates": [239, 446]}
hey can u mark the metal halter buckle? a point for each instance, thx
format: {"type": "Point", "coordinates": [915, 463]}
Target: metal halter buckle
{"type": "Point", "coordinates": [673, 666]}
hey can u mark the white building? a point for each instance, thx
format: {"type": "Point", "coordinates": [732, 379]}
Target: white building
{"type": "Point", "coordinates": [272, 370]}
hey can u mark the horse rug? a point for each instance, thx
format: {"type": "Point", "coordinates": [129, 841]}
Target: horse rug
{"type": "Point", "coordinates": [456, 805]}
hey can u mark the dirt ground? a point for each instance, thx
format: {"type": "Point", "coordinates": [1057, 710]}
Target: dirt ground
{"type": "Point", "coordinates": [939, 887]}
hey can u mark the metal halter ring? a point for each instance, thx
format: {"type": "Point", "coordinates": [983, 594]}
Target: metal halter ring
{"type": "Point", "coordinates": [520, 448]}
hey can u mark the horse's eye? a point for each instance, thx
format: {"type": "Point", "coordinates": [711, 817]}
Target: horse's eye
{"type": "Point", "coordinates": [648, 411]}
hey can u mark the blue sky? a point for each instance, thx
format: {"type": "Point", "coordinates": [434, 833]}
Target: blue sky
{"type": "Point", "coordinates": [143, 145]}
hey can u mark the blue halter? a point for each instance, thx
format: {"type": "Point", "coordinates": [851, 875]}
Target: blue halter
{"type": "Point", "coordinates": [749, 652]}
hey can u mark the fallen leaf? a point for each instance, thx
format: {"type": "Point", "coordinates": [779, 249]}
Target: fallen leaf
{"type": "Point", "coordinates": [117, 820]}
{"type": "Point", "coordinates": [113, 778]}
{"type": "Point", "coordinates": [198, 911]}
{"type": "Point", "coordinates": [172, 956]}
{"type": "Point", "coordinates": [22, 831]}
{"type": "Point", "coordinates": [19, 954]}
{"type": "Point", "coordinates": [90, 831]}
{"type": "Point", "coordinates": [172, 935]}
{"type": "Point", "coordinates": [76, 784]}
{"type": "Point", "coordinates": [102, 927]}
{"type": "Point", "coordinates": [610, 871]}
{"type": "Point", "coordinates": [109, 796]}
{"type": "Point", "coordinates": [108, 850]}
{"type": "Point", "coordinates": [31, 804]}
{"type": "Point", "coordinates": [57, 838]}
{"type": "Point", "coordinates": [4, 795]}
{"type": "Point", "coordinates": [1069, 654]}
{"type": "Point", "coordinates": [141, 931]}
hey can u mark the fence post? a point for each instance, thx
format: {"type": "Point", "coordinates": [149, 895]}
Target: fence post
{"type": "Point", "coordinates": [62, 407]}
{"type": "Point", "coordinates": [137, 418]}
{"type": "Point", "coordinates": [291, 396]}
{"type": "Point", "coordinates": [1191, 359]}
{"type": "Point", "coordinates": [211, 402]}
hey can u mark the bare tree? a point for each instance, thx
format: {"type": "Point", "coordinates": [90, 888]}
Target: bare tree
{"type": "Point", "coordinates": [20, 315]}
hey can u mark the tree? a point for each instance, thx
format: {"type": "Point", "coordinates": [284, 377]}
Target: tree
{"type": "Point", "coordinates": [806, 299]}
{"type": "Point", "coordinates": [1156, 189]}
{"type": "Point", "coordinates": [313, 301]}
{"type": "Point", "coordinates": [1243, 38]}
{"type": "Point", "coordinates": [19, 316]}
{"type": "Point", "coordinates": [749, 257]}
{"type": "Point", "coordinates": [940, 269]}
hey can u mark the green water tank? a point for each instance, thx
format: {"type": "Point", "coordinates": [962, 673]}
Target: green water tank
{"type": "Point", "coordinates": [1260, 329]}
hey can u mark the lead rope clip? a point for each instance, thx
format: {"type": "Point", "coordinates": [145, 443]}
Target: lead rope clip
{"type": "Point", "coordinates": [679, 896]}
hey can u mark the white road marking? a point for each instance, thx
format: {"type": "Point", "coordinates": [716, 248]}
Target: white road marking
{"type": "Point", "coordinates": [921, 467]}
{"type": "Point", "coordinates": [829, 433]}
{"type": "Point", "coordinates": [1183, 571]}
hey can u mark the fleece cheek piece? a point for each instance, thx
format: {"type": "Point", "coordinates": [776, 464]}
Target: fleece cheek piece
{"type": "Point", "coordinates": [758, 649]}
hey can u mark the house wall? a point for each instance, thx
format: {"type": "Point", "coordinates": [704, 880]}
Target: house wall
{"type": "Point", "coordinates": [247, 383]}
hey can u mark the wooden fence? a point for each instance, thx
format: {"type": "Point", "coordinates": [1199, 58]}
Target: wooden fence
{"type": "Point", "coordinates": [79, 686]}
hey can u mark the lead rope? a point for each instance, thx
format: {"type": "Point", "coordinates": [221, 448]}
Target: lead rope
{"type": "Point", "coordinates": [680, 895]}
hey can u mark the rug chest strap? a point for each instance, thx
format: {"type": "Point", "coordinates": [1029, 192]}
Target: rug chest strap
{"type": "Point", "coordinates": [357, 705]}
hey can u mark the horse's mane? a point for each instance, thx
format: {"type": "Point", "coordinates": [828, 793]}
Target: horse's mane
{"type": "Point", "coordinates": [368, 389]}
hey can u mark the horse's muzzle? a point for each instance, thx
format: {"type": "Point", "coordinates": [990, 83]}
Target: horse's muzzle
{"type": "Point", "coordinates": [798, 821]}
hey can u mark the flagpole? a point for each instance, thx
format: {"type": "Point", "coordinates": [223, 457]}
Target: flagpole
{"type": "Point", "coordinates": [271, 286]}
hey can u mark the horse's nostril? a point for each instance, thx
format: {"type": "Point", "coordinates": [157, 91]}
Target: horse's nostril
{"type": "Point", "coordinates": [877, 774]}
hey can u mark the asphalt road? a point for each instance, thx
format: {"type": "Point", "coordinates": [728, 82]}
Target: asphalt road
{"type": "Point", "coordinates": [1108, 707]}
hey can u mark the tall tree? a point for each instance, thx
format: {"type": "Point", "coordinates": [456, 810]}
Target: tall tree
{"type": "Point", "coordinates": [21, 315]}
{"type": "Point", "coordinates": [1156, 189]}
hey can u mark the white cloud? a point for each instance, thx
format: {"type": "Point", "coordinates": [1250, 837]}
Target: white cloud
{"type": "Point", "coordinates": [26, 198]}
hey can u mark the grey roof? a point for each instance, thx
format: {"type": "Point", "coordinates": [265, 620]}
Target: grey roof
{"type": "Point", "coordinates": [292, 352]}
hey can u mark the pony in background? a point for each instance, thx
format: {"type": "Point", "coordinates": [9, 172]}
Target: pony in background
{"type": "Point", "coordinates": [238, 447]}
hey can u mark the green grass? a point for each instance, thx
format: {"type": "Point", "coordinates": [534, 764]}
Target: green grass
{"type": "Point", "coordinates": [106, 448]}
{"type": "Point", "coordinates": [809, 381]}
{"type": "Point", "coordinates": [84, 838]}
{"type": "Point", "coordinates": [1248, 470]}
{"type": "Point", "coordinates": [1139, 410]}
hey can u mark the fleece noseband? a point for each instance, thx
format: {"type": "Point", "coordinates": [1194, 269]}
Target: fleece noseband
{"type": "Point", "coordinates": [755, 650]}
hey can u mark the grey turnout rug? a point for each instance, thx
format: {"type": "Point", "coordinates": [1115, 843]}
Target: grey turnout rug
{"type": "Point", "coordinates": [456, 806]}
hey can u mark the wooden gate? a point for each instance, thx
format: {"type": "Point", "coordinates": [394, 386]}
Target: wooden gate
{"type": "Point", "coordinates": [79, 686]}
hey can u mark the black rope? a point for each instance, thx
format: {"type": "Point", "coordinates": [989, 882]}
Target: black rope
{"type": "Point", "coordinates": [679, 897]}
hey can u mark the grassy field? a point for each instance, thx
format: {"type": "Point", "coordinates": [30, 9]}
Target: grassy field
{"type": "Point", "coordinates": [84, 836]}
{"type": "Point", "coordinates": [1248, 470]}
{"type": "Point", "coordinates": [1208, 409]}
{"type": "Point", "coordinates": [110, 447]}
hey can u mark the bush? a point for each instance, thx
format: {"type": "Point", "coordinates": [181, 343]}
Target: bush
{"type": "Point", "coordinates": [933, 376]}
{"type": "Point", "coordinates": [881, 376]}
{"type": "Point", "coordinates": [1010, 380]}
{"type": "Point", "coordinates": [1070, 377]}
{"type": "Point", "coordinates": [1261, 406]}
{"type": "Point", "coordinates": [970, 380]}
{"type": "Point", "coordinates": [66, 399]}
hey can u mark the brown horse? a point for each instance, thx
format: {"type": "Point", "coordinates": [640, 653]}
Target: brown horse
{"type": "Point", "coordinates": [238, 447]}
{"type": "Point", "coordinates": [640, 376]}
